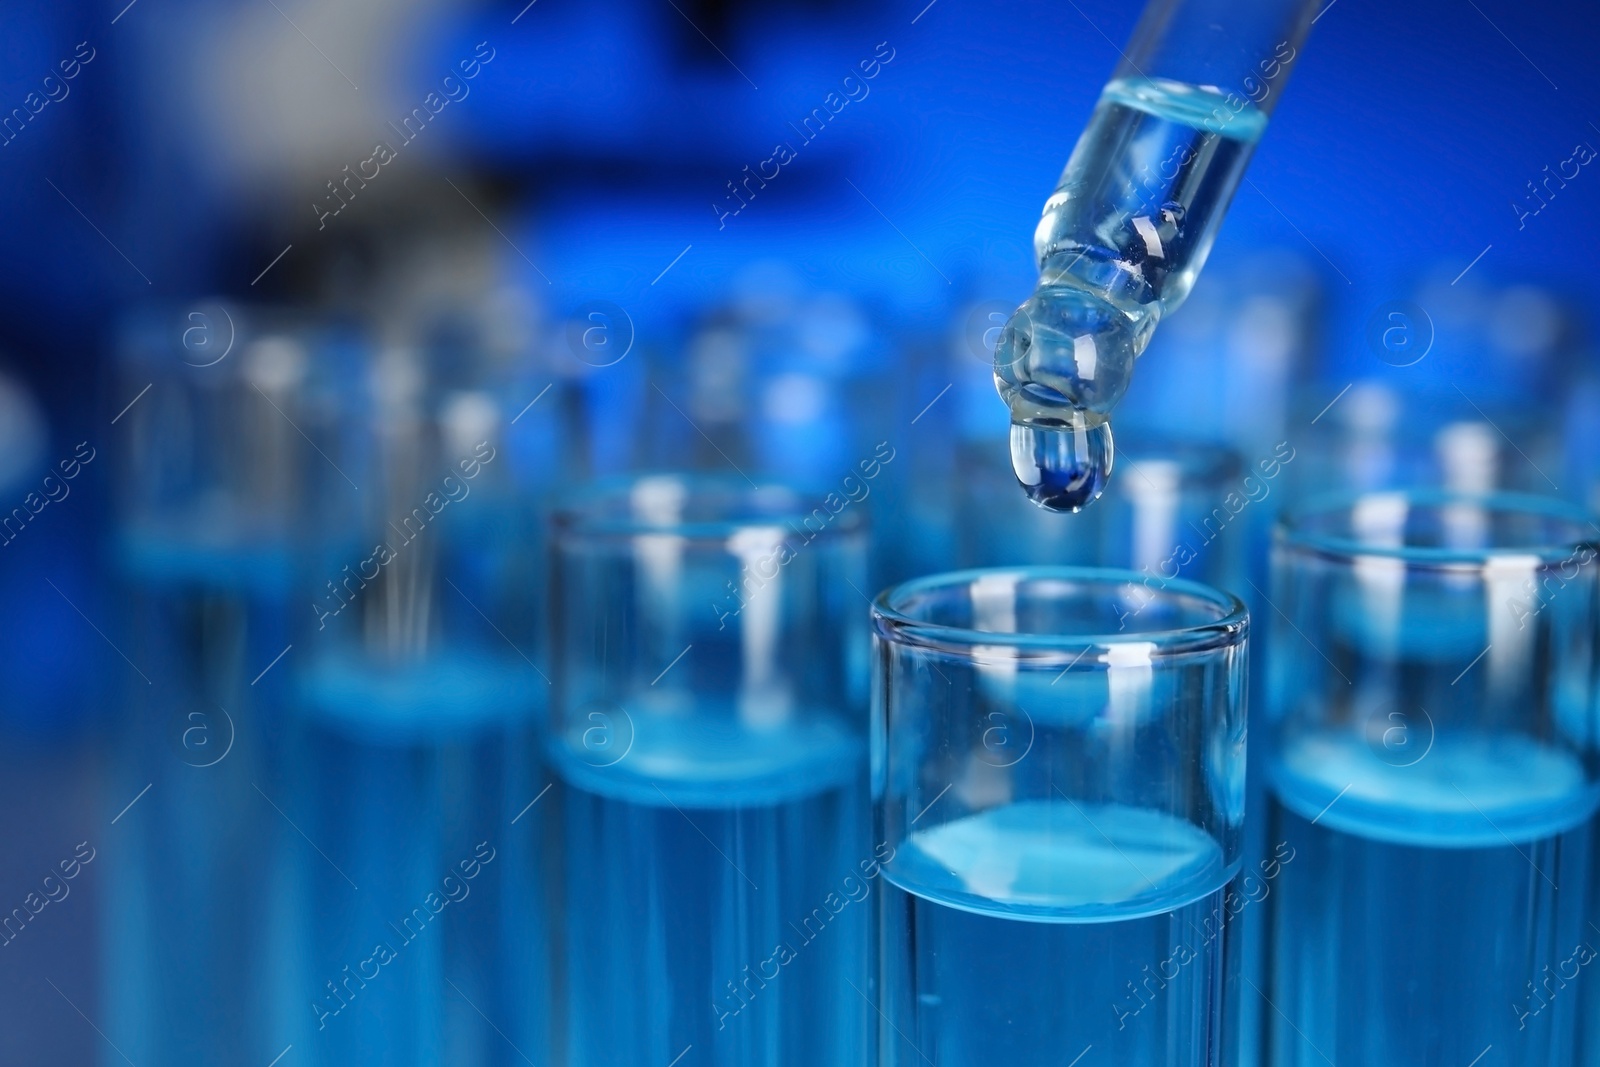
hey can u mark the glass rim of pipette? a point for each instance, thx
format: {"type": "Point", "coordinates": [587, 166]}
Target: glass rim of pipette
{"type": "Point", "coordinates": [607, 507]}
{"type": "Point", "coordinates": [1230, 625]}
{"type": "Point", "coordinates": [1292, 533]}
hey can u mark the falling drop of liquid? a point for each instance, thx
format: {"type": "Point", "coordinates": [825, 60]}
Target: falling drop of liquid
{"type": "Point", "coordinates": [1063, 361]}
{"type": "Point", "coordinates": [1062, 467]}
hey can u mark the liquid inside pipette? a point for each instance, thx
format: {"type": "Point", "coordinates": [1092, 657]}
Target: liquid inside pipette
{"type": "Point", "coordinates": [1119, 243]}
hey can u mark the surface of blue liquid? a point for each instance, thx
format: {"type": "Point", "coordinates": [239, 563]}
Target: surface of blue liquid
{"type": "Point", "coordinates": [208, 546]}
{"type": "Point", "coordinates": [1027, 934]}
{"type": "Point", "coordinates": [717, 885]}
{"type": "Point", "coordinates": [1120, 242]}
{"type": "Point", "coordinates": [399, 793]}
{"type": "Point", "coordinates": [1431, 911]}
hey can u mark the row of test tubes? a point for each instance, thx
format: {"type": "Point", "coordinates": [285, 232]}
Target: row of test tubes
{"type": "Point", "coordinates": [451, 748]}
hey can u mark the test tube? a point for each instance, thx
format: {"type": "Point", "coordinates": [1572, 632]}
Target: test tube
{"type": "Point", "coordinates": [1228, 367]}
{"type": "Point", "coordinates": [219, 469]}
{"type": "Point", "coordinates": [1431, 766]}
{"type": "Point", "coordinates": [1181, 510]}
{"type": "Point", "coordinates": [417, 688]}
{"type": "Point", "coordinates": [1176, 513]}
{"type": "Point", "coordinates": [1376, 440]}
{"type": "Point", "coordinates": [708, 727]}
{"type": "Point", "coordinates": [1058, 792]}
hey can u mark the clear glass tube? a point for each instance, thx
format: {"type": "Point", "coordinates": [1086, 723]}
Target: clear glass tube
{"type": "Point", "coordinates": [1172, 516]}
{"type": "Point", "coordinates": [1378, 439]}
{"type": "Point", "coordinates": [1058, 786]}
{"type": "Point", "coordinates": [417, 691]}
{"type": "Point", "coordinates": [1431, 756]}
{"type": "Point", "coordinates": [709, 729]}
{"type": "Point", "coordinates": [216, 480]}
{"type": "Point", "coordinates": [1131, 222]}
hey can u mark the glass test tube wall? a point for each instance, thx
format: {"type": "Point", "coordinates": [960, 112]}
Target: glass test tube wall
{"type": "Point", "coordinates": [709, 732]}
{"type": "Point", "coordinates": [785, 384]}
{"type": "Point", "coordinates": [420, 913]}
{"type": "Point", "coordinates": [1178, 510]}
{"type": "Point", "coordinates": [1431, 758]}
{"type": "Point", "coordinates": [1059, 785]}
{"type": "Point", "coordinates": [216, 487]}
{"type": "Point", "coordinates": [1474, 372]}
{"type": "Point", "coordinates": [1378, 439]}
{"type": "Point", "coordinates": [1168, 517]}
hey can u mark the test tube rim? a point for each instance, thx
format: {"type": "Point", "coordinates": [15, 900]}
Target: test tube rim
{"type": "Point", "coordinates": [1290, 533]}
{"type": "Point", "coordinates": [576, 515]}
{"type": "Point", "coordinates": [1231, 627]}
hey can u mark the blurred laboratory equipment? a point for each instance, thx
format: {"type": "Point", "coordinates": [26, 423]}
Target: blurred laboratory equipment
{"type": "Point", "coordinates": [1469, 387]}
{"type": "Point", "coordinates": [1059, 789]}
{"type": "Point", "coordinates": [26, 435]}
{"type": "Point", "coordinates": [1430, 750]}
{"type": "Point", "coordinates": [48, 691]}
{"type": "Point", "coordinates": [1229, 368]}
{"type": "Point", "coordinates": [1379, 438]}
{"type": "Point", "coordinates": [234, 423]}
{"type": "Point", "coordinates": [708, 729]}
{"type": "Point", "coordinates": [1172, 515]}
{"type": "Point", "coordinates": [419, 917]}
{"type": "Point", "coordinates": [787, 382]}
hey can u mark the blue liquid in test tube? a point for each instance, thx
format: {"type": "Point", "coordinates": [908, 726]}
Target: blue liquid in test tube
{"type": "Point", "coordinates": [708, 729]}
{"type": "Point", "coordinates": [214, 499]}
{"type": "Point", "coordinates": [402, 775]}
{"type": "Point", "coordinates": [418, 908]}
{"type": "Point", "coordinates": [1431, 785]}
{"type": "Point", "coordinates": [1063, 802]}
{"type": "Point", "coordinates": [1025, 959]}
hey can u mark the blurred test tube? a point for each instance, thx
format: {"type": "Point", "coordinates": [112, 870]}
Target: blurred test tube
{"type": "Point", "coordinates": [223, 464]}
{"type": "Point", "coordinates": [709, 735]}
{"type": "Point", "coordinates": [1175, 512]}
{"type": "Point", "coordinates": [421, 924]}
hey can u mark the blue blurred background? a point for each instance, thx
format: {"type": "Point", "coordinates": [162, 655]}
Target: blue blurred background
{"type": "Point", "coordinates": [573, 188]}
